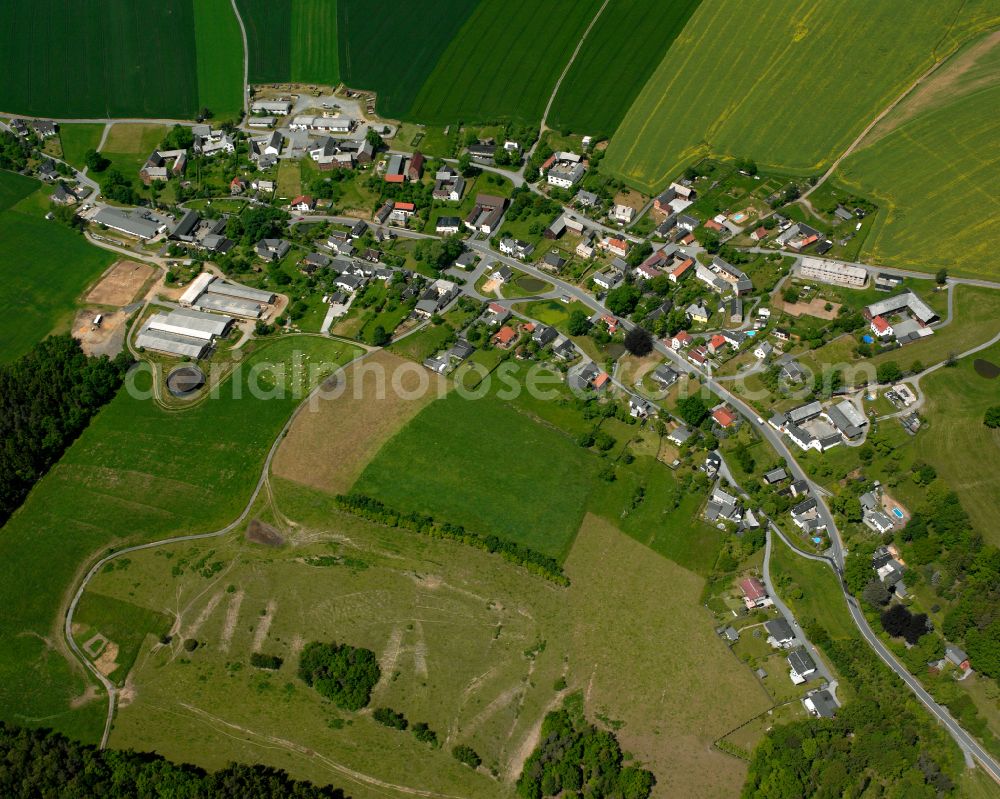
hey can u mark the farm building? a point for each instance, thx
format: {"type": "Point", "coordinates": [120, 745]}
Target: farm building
{"type": "Point", "coordinates": [139, 223]}
{"type": "Point", "coordinates": [182, 332]}
{"type": "Point", "coordinates": [212, 293]}
{"type": "Point", "coordinates": [835, 272]}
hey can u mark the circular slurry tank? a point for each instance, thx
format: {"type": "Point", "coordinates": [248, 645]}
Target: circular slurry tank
{"type": "Point", "coordinates": [185, 380]}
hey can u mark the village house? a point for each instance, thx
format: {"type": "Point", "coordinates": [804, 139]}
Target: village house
{"type": "Point", "coordinates": [486, 214]}
{"type": "Point", "coordinates": [754, 593]}
{"type": "Point", "coordinates": [564, 170]}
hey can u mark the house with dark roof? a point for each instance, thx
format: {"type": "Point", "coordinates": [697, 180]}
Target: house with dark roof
{"type": "Point", "coordinates": [821, 704]}
{"type": "Point", "coordinates": [779, 633]}
{"type": "Point", "coordinates": [802, 666]}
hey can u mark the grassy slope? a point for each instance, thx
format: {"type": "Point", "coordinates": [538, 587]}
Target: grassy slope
{"type": "Point", "coordinates": [219, 49]}
{"type": "Point", "coordinates": [315, 44]}
{"type": "Point", "coordinates": [380, 51]}
{"type": "Point", "coordinates": [43, 264]}
{"type": "Point", "coordinates": [269, 39]}
{"type": "Point", "coordinates": [136, 473]}
{"type": "Point", "coordinates": [789, 84]}
{"type": "Point", "coordinates": [504, 62]}
{"type": "Point", "coordinates": [936, 158]}
{"type": "Point", "coordinates": [965, 452]}
{"type": "Point", "coordinates": [451, 626]}
{"type": "Point", "coordinates": [78, 140]}
{"type": "Point", "coordinates": [122, 58]}
{"type": "Point", "coordinates": [621, 52]}
{"type": "Point", "coordinates": [129, 145]}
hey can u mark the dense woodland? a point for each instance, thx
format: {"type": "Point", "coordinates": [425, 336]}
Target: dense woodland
{"type": "Point", "coordinates": [342, 673]}
{"type": "Point", "coordinates": [42, 763]}
{"type": "Point", "coordinates": [47, 397]}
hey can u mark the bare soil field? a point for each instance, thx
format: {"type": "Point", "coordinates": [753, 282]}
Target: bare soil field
{"type": "Point", "coordinates": [329, 445]}
{"type": "Point", "coordinates": [121, 284]}
{"type": "Point", "coordinates": [815, 307]}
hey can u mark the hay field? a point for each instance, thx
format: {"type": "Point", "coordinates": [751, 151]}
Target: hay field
{"type": "Point", "coordinates": [936, 156]}
{"type": "Point", "coordinates": [789, 84]}
{"type": "Point", "coordinates": [504, 62]}
{"type": "Point", "coordinates": [44, 266]}
{"type": "Point", "coordinates": [617, 58]}
{"type": "Point", "coordinates": [116, 58]}
{"type": "Point", "coordinates": [328, 447]}
{"type": "Point", "coordinates": [137, 472]}
{"type": "Point", "coordinates": [468, 643]}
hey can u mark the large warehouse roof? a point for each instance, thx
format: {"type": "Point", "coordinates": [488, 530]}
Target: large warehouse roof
{"type": "Point", "coordinates": [231, 305]}
{"type": "Point", "coordinates": [141, 223]}
{"type": "Point", "coordinates": [190, 323]}
{"type": "Point", "coordinates": [219, 286]}
{"type": "Point", "coordinates": [170, 343]}
{"type": "Point", "coordinates": [192, 292]}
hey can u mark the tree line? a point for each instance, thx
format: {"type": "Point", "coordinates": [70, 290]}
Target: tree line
{"type": "Point", "coordinates": [376, 511]}
{"type": "Point", "coordinates": [41, 763]}
{"type": "Point", "coordinates": [47, 398]}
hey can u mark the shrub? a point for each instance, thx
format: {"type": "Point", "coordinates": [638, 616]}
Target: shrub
{"type": "Point", "coordinates": [466, 754]}
{"type": "Point", "coordinates": [342, 673]}
{"type": "Point", "coordinates": [390, 718]}
{"type": "Point", "coordinates": [425, 734]}
{"type": "Point", "coordinates": [190, 644]}
{"type": "Point", "coordinates": [262, 661]}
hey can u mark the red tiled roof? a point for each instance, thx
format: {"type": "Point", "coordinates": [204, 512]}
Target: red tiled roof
{"type": "Point", "coordinates": [717, 341]}
{"type": "Point", "coordinates": [601, 379]}
{"type": "Point", "coordinates": [505, 335]}
{"type": "Point", "coordinates": [711, 224]}
{"type": "Point", "coordinates": [394, 178]}
{"type": "Point", "coordinates": [404, 206]}
{"type": "Point", "coordinates": [724, 416]}
{"type": "Point", "coordinates": [760, 232]}
{"type": "Point", "coordinates": [496, 307]}
{"type": "Point", "coordinates": [683, 336]}
{"type": "Point", "coordinates": [753, 588]}
{"type": "Point", "coordinates": [880, 324]}
{"type": "Point", "coordinates": [684, 266]}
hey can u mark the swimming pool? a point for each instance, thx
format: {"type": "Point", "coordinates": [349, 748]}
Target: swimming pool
{"type": "Point", "coordinates": [817, 540]}
{"type": "Point", "coordinates": [738, 217]}
{"type": "Point", "coordinates": [751, 333]}
{"type": "Point", "coordinates": [868, 339]}
{"type": "Point", "coordinates": [897, 513]}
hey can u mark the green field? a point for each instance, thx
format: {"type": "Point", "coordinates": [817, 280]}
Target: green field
{"type": "Point", "coordinates": [219, 51]}
{"type": "Point", "coordinates": [269, 39]}
{"type": "Point", "coordinates": [468, 643]}
{"type": "Point", "coordinates": [392, 47]}
{"type": "Point", "coordinates": [43, 263]}
{"type": "Point", "coordinates": [138, 472]}
{"type": "Point", "coordinates": [789, 84]}
{"type": "Point", "coordinates": [128, 145]}
{"type": "Point", "coordinates": [482, 464]}
{"type": "Point", "coordinates": [965, 452]}
{"type": "Point", "coordinates": [78, 140]}
{"type": "Point", "coordinates": [315, 44]}
{"type": "Point", "coordinates": [504, 62]}
{"type": "Point", "coordinates": [617, 58]}
{"type": "Point", "coordinates": [937, 155]}
{"type": "Point", "coordinates": [116, 58]}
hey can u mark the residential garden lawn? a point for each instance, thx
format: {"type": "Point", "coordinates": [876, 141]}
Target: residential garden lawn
{"type": "Point", "coordinates": [930, 156]}
{"type": "Point", "coordinates": [127, 59]}
{"type": "Point", "coordinates": [552, 312]}
{"type": "Point", "coordinates": [219, 50]}
{"type": "Point", "coordinates": [44, 263]}
{"type": "Point", "coordinates": [712, 93]}
{"type": "Point", "coordinates": [481, 672]}
{"type": "Point", "coordinates": [430, 140]}
{"type": "Point", "coordinates": [524, 285]}
{"type": "Point", "coordinates": [289, 180]}
{"type": "Point", "coordinates": [524, 44]}
{"type": "Point", "coordinates": [269, 39]}
{"type": "Point", "coordinates": [450, 458]}
{"type": "Point", "coordinates": [396, 72]}
{"type": "Point", "coordinates": [623, 48]}
{"type": "Point", "coordinates": [129, 145]}
{"type": "Point", "coordinates": [78, 140]}
{"type": "Point", "coordinates": [137, 473]}
{"type": "Point", "coordinates": [964, 451]}
{"type": "Point", "coordinates": [315, 44]}
{"type": "Point", "coordinates": [811, 590]}
{"type": "Point", "coordinates": [424, 343]}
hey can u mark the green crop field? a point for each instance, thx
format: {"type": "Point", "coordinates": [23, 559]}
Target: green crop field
{"type": "Point", "coordinates": [315, 44]}
{"type": "Point", "coordinates": [269, 39]}
{"type": "Point", "coordinates": [788, 84]}
{"type": "Point", "coordinates": [391, 47]}
{"type": "Point", "coordinates": [481, 464]}
{"type": "Point", "coordinates": [936, 156]}
{"type": "Point", "coordinates": [467, 643]}
{"type": "Point", "coordinates": [219, 50]}
{"type": "Point", "coordinates": [965, 452]}
{"type": "Point", "coordinates": [117, 58]}
{"type": "Point", "coordinates": [78, 140]}
{"type": "Point", "coordinates": [625, 46]}
{"type": "Point", "coordinates": [504, 62]}
{"type": "Point", "coordinates": [138, 472]}
{"type": "Point", "coordinates": [43, 263]}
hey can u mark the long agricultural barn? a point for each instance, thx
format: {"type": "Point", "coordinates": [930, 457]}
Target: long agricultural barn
{"type": "Point", "coordinates": [140, 223]}
{"type": "Point", "coordinates": [182, 332]}
{"type": "Point", "coordinates": [215, 294]}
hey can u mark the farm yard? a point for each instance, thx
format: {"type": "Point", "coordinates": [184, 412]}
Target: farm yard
{"type": "Point", "coordinates": [117, 69]}
{"type": "Point", "coordinates": [607, 636]}
{"type": "Point", "coordinates": [395, 73]}
{"type": "Point", "coordinates": [219, 51]}
{"type": "Point", "coordinates": [935, 155]}
{"type": "Point", "coordinates": [712, 94]}
{"type": "Point", "coordinates": [43, 263]}
{"type": "Point", "coordinates": [629, 39]}
{"type": "Point", "coordinates": [524, 44]}
{"type": "Point", "coordinates": [138, 472]}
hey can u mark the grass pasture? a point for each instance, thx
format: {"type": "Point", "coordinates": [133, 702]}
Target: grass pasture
{"type": "Point", "coordinates": [128, 146]}
{"type": "Point", "coordinates": [137, 472]}
{"type": "Point", "coordinates": [315, 44]}
{"type": "Point", "coordinates": [43, 264]}
{"type": "Point", "coordinates": [467, 643]}
{"type": "Point", "coordinates": [219, 50]}
{"type": "Point", "coordinates": [418, 33]}
{"type": "Point", "coordinates": [724, 85]}
{"type": "Point", "coordinates": [269, 39]}
{"type": "Point", "coordinates": [78, 140]}
{"type": "Point", "coordinates": [504, 62]}
{"type": "Point", "coordinates": [937, 154]}
{"type": "Point", "coordinates": [121, 59]}
{"type": "Point", "coordinates": [621, 52]}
